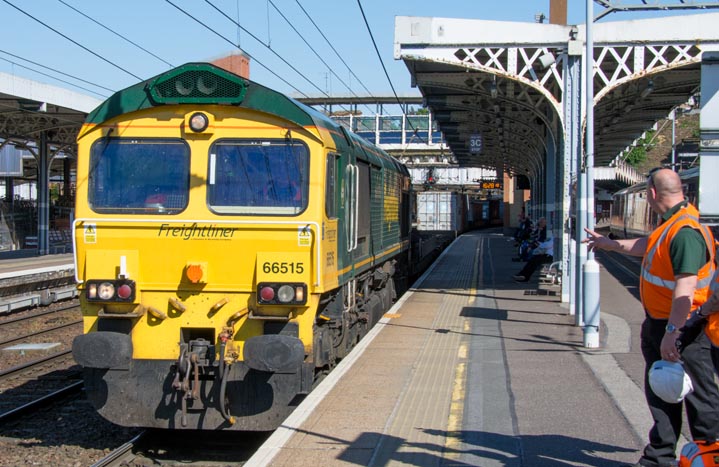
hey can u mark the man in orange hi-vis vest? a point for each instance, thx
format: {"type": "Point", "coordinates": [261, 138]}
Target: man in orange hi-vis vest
{"type": "Point", "coordinates": [677, 267]}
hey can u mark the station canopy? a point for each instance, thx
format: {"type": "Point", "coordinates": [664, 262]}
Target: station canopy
{"type": "Point", "coordinates": [29, 108]}
{"type": "Point", "coordinates": [507, 83]}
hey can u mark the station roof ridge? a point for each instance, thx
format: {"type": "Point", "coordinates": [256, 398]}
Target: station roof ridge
{"type": "Point", "coordinates": [24, 88]}
{"type": "Point", "coordinates": [453, 31]}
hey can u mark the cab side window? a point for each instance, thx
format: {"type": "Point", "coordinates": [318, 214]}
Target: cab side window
{"type": "Point", "coordinates": [331, 185]}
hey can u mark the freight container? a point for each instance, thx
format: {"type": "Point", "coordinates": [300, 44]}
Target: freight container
{"type": "Point", "coordinates": [441, 211]}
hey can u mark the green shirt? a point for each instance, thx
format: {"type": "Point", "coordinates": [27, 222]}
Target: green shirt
{"type": "Point", "coordinates": [687, 249]}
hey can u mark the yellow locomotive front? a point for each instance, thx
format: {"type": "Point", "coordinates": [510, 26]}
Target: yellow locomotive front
{"type": "Point", "coordinates": [202, 248]}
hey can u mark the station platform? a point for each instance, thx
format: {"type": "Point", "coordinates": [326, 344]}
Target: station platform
{"type": "Point", "coordinates": [29, 265]}
{"type": "Point", "coordinates": [470, 368]}
{"type": "Point", "coordinates": [36, 280]}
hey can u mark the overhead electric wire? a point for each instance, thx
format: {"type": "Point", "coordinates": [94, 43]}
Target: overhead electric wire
{"type": "Point", "coordinates": [308, 44]}
{"type": "Point", "coordinates": [73, 41]}
{"type": "Point", "coordinates": [333, 48]}
{"type": "Point", "coordinates": [379, 56]}
{"type": "Point", "coordinates": [268, 48]}
{"type": "Point", "coordinates": [56, 71]}
{"type": "Point", "coordinates": [52, 77]}
{"type": "Point", "coordinates": [314, 51]}
{"type": "Point", "coordinates": [117, 34]}
{"type": "Point", "coordinates": [235, 45]}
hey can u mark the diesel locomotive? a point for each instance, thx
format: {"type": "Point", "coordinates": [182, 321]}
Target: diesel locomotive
{"type": "Point", "coordinates": [231, 246]}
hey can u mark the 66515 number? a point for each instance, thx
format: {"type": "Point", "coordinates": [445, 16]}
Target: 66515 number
{"type": "Point", "coordinates": [283, 267]}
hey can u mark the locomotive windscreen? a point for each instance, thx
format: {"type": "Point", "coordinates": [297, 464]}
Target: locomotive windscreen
{"type": "Point", "coordinates": [139, 176]}
{"type": "Point", "coordinates": [258, 177]}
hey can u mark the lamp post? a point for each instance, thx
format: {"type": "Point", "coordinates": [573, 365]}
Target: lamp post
{"type": "Point", "coordinates": [590, 270]}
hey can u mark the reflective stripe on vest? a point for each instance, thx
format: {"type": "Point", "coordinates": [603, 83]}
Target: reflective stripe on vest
{"type": "Point", "coordinates": [657, 279]}
{"type": "Point", "coordinates": [649, 257]}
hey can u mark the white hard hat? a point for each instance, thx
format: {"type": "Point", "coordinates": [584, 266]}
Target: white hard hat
{"type": "Point", "coordinates": [669, 381]}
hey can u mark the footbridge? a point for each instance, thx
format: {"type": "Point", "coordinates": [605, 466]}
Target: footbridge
{"type": "Point", "coordinates": [413, 138]}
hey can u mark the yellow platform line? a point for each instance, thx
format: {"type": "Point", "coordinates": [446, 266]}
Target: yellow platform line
{"type": "Point", "coordinates": [453, 440]}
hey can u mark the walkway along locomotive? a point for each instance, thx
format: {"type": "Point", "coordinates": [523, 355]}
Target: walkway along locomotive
{"type": "Point", "coordinates": [231, 246]}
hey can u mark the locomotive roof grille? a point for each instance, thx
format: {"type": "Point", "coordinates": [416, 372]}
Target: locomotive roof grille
{"type": "Point", "coordinates": [197, 84]}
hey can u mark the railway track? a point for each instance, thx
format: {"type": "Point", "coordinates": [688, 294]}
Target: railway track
{"type": "Point", "coordinates": [625, 268]}
{"type": "Point", "coordinates": [123, 455]}
{"type": "Point", "coordinates": [31, 334]}
{"type": "Point", "coordinates": [43, 311]}
{"type": "Point", "coordinates": [38, 383]}
{"type": "Point", "coordinates": [62, 394]}
{"type": "Point", "coordinates": [37, 368]}
{"type": "Point", "coordinates": [158, 447]}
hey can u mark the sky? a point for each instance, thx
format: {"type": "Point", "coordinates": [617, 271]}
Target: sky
{"type": "Point", "coordinates": [80, 39]}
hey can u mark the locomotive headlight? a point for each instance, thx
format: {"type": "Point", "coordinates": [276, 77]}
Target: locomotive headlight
{"type": "Point", "coordinates": [199, 122]}
{"type": "Point", "coordinates": [207, 84]}
{"type": "Point", "coordinates": [105, 291]}
{"type": "Point", "coordinates": [286, 293]}
{"type": "Point", "coordinates": [184, 86]}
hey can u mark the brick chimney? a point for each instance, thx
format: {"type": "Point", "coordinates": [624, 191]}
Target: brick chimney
{"type": "Point", "coordinates": [558, 12]}
{"type": "Point", "coordinates": [236, 62]}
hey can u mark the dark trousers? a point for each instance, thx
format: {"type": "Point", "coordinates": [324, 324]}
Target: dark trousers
{"type": "Point", "coordinates": [702, 405]}
{"type": "Point", "coordinates": [534, 262]}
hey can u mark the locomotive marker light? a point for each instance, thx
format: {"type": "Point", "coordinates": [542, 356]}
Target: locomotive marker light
{"type": "Point", "coordinates": [124, 291]}
{"type": "Point", "coordinates": [91, 291]}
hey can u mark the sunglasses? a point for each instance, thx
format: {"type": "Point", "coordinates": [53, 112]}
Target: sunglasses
{"type": "Point", "coordinates": [650, 175]}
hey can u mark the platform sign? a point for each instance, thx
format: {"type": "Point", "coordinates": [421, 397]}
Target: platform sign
{"type": "Point", "coordinates": [475, 143]}
{"type": "Point", "coordinates": [491, 185]}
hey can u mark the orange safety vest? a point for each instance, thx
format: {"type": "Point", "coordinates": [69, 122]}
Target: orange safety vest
{"type": "Point", "coordinates": [712, 327]}
{"type": "Point", "coordinates": [656, 284]}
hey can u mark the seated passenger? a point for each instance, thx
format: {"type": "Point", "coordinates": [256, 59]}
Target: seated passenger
{"type": "Point", "coordinates": [539, 235]}
{"type": "Point", "coordinates": [542, 254]}
{"type": "Point", "coordinates": [524, 229]}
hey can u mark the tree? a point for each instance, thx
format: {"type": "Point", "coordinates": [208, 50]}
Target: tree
{"type": "Point", "coordinates": [638, 154]}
